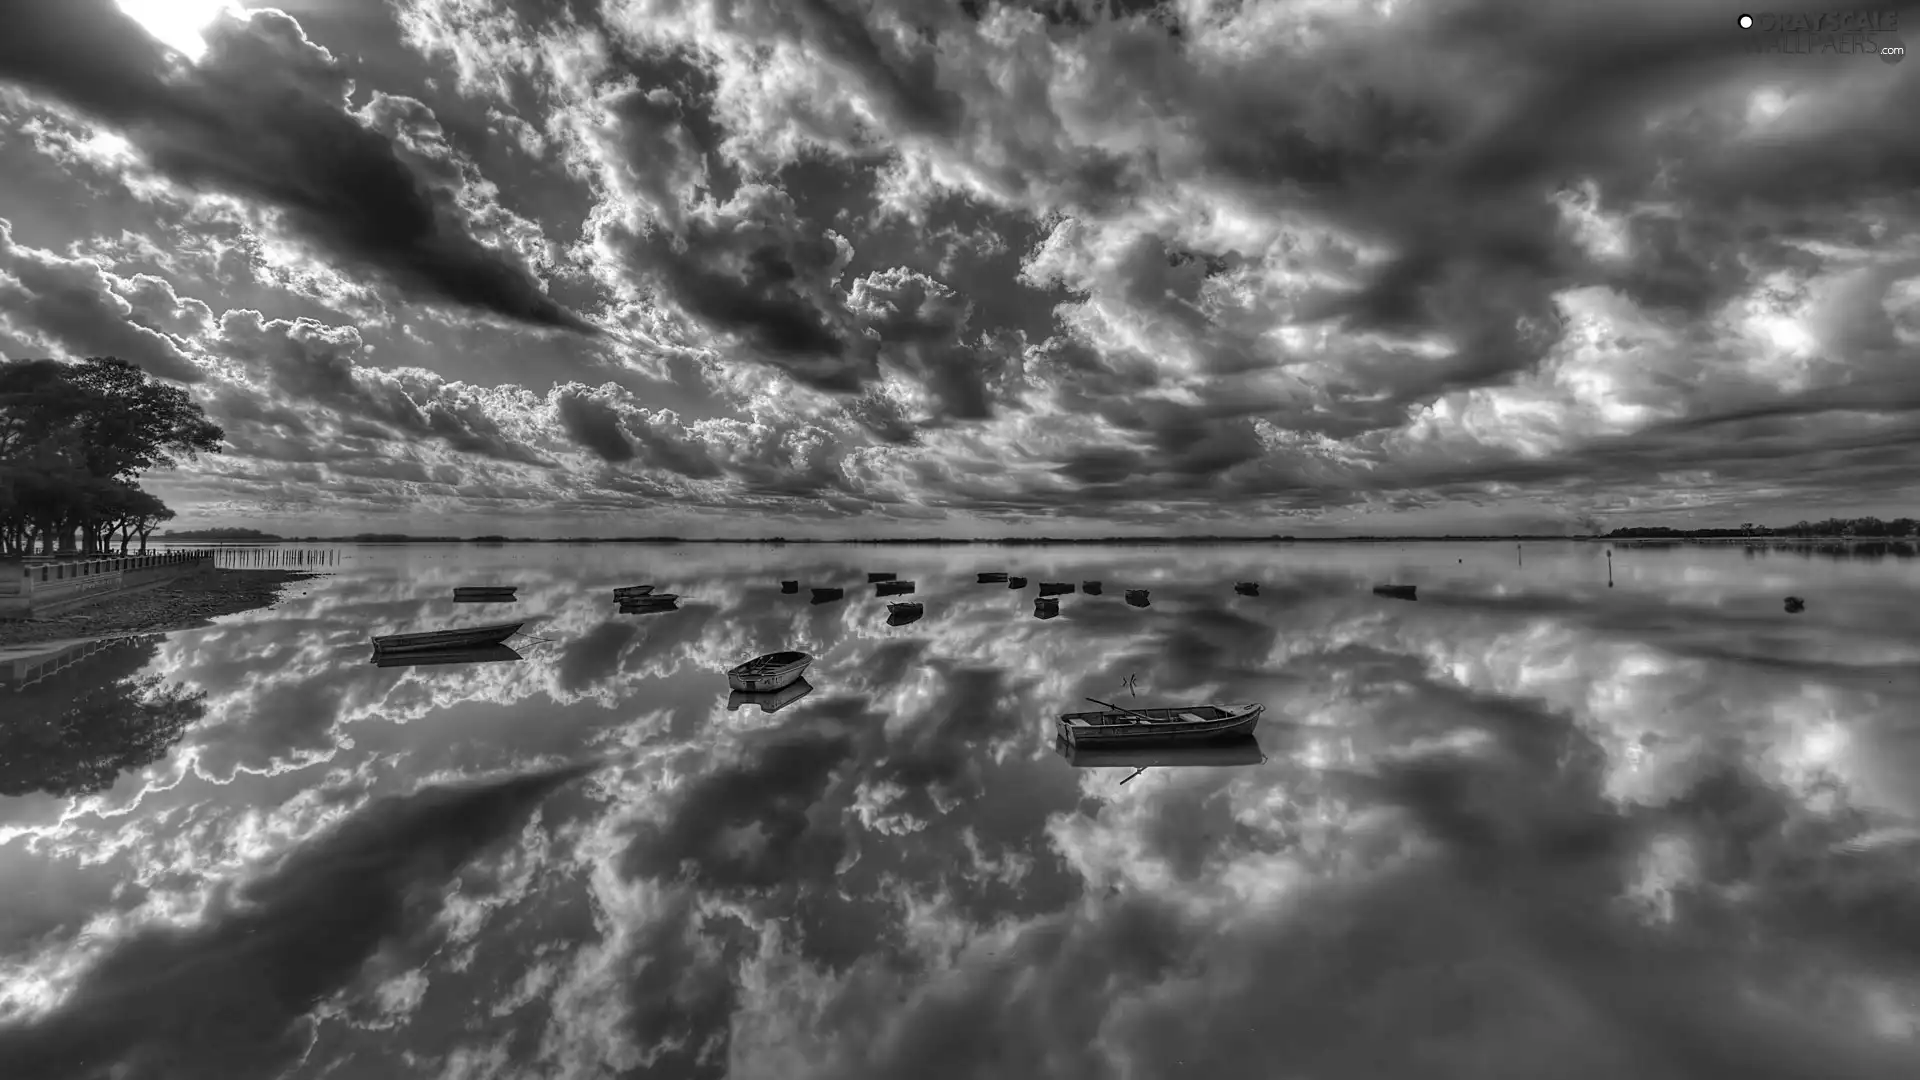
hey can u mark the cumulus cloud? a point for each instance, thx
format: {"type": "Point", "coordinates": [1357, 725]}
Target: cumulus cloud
{"type": "Point", "coordinates": [73, 306]}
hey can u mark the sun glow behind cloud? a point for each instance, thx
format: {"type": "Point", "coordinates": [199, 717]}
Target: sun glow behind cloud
{"type": "Point", "coordinates": [179, 24]}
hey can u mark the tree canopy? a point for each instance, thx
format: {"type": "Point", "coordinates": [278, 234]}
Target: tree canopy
{"type": "Point", "coordinates": [74, 437]}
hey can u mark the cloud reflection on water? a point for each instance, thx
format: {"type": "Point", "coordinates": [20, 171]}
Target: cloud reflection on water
{"type": "Point", "coordinates": [1526, 826]}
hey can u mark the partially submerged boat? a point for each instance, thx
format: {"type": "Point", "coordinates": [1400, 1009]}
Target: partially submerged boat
{"type": "Point", "coordinates": [1397, 592]}
{"type": "Point", "coordinates": [485, 654]}
{"type": "Point", "coordinates": [789, 586]}
{"type": "Point", "coordinates": [892, 588]}
{"type": "Point", "coordinates": [1016, 583]}
{"type": "Point", "coordinates": [1091, 588]}
{"type": "Point", "coordinates": [823, 596]}
{"type": "Point", "coordinates": [484, 592]}
{"type": "Point", "coordinates": [991, 576]}
{"type": "Point", "coordinates": [1228, 750]}
{"type": "Point", "coordinates": [630, 591]}
{"type": "Point", "coordinates": [1247, 588]}
{"type": "Point", "coordinates": [903, 613]}
{"type": "Point", "coordinates": [471, 637]}
{"type": "Point", "coordinates": [1137, 597]}
{"type": "Point", "coordinates": [873, 578]}
{"type": "Point", "coordinates": [1046, 607]}
{"type": "Point", "coordinates": [770, 702]}
{"type": "Point", "coordinates": [770, 672]}
{"type": "Point", "coordinates": [1055, 588]}
{"type": "Point", "coordinates": [1174, 723]}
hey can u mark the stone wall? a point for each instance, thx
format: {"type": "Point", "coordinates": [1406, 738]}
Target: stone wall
{"type": "Point", "coordinates": [44, 587]}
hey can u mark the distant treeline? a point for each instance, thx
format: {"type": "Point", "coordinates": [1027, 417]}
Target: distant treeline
{"type": "Point", "coordinates": [1831, 527]}
{"type": "Point", "coordinates": [218, 534]}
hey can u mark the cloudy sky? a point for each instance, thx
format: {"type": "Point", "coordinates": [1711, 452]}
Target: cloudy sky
{"type": "Point", "coordinates": [828, 267]}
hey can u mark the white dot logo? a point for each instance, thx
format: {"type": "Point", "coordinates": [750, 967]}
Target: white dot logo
{"type": "Point", "coordinates": [1746, 22]}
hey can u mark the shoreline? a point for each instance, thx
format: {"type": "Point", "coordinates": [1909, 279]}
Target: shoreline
{"type": "Point", "coordinates": [188, 602]}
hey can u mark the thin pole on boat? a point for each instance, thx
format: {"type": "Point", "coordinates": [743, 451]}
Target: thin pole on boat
{"type": "Point", "coordinates": [1130, 712]}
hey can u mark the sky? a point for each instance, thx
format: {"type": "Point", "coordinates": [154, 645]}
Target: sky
{"type": "Point", "coordinates": [981, 268]}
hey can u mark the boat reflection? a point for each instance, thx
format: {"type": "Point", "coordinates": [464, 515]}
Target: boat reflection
{"type": "Point", "coordinates": [902, 614]}
{"type": "Point", "coordinates": [772, 701]}
{"type": "Point", "coordinates": [649, 605]}
{"type": "Point", "coordinates": [1046, 607]}
{"type": "Point", "coordinates": [1217, 753]}
{"type": "Point", "coordinates": [486, 654]}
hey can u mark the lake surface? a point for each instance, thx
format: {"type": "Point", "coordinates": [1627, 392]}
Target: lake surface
{"type": "Point", "coordinates": [1527, 826]}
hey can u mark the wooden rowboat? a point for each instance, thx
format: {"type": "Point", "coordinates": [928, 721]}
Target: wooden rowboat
{"type": "Point", "coordinates": [1247, 588]}
{"type": "Point", "coordinates": [484, 592]}
{"type": "Point", "coordinates": [486, 654]}
{"type": "Point", "coordinates": [1137, 597]}
{"type": "Point", "coordinates": [650, 598]}
{"type": "Point", "coordinates": [892, 588]}
{"type": "Point", "coordinates": [991, 577]}
{"type": "Point", "coordinates": [1227, 751]}
{"type": "Point", "coordinates": [1176, 723]}
{"type": "Point", "coordinates": [789, 586]}
{"type": "Point", "coordinates": [773, 702]}
{"type": "Point", "coordinates": [768, 673]}
{"type": "Point", "coordinates": [823, 596]}
{"type": "Point", "coordinates": [628, 591]}
{"type": "Point", "coordinates": [471, 637]}
{"type": "Point", "coordinates": [876, 578]}
{"type": "Point", "coordinates": [1397, 592]}
{"type": "Point", "coordinates": [1016, 583]}
{"type": "Point", "coordinates": [1091, 588]}
{"type": "Point", "coordinates": [1055, 588]}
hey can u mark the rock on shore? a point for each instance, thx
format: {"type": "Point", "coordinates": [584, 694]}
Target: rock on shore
{"type": "Point", "coordinates": [181, 604]}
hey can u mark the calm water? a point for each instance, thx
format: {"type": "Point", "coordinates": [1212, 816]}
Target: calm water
{"type": "Point", "coordinates": [1528, 826]}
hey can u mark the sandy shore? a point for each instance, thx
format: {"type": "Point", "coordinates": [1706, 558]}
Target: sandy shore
{"type": "Point", "coordinates": [181, 604]}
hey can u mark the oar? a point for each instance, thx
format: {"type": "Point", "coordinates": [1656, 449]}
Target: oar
{"type": "Point", "coordinates": [1129, 712]}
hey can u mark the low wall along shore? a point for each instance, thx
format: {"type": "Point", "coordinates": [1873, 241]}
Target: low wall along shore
{"type": "Point", "coordinates": [46, 587]}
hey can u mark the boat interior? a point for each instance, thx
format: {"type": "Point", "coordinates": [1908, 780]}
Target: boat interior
{"type": "Point", "coordinates": [1191, 714]}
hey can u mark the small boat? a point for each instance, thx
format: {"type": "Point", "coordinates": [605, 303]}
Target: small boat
{"type": "Point", "coordinates": [1397, 592]}
{"type": "Point", "coordinates": [470, 637]}
{"type": "Point", "coordinates": [1177, 723]}
{"type": "Point", "coordinates": [651, 598]}
{"type": "Point", "coordinates": [825, 596]}
{"type": "Point", "coordinates": [789, 586]}
{"type": "Point", "coordinates": [484, 592]}
{"type": "Point", "coordinates": [1055, 588]}
{"type": "Point", "coordinates": [1046, 607]}
{"type": "Point", "coordinates": [1091, 588]}
{"type": "Point", "coordinates": [1228, 751]}
{"type": "Point", "coordinates": [903, 613]}
{"type": "Point", "coordinates": [991, 577]}
{"type": "Point", "coordinates": [770, 702]}
{"type": "Point", "coordinates": [629, 591]}
{"type": "Point", "coordinates": [765, 674]}
{"type": "Point", "coordinates": [1247, 588]}
{"type": "Point", "coordinates": [485, 654]}
{"type": "Point", "coordinates": [1795, 605]}
{"type": "Point", "coordinates": [1016, 583]}
{"type": "Point", "coordinates": [1137, 597]}
{"type": "Point", "coordinates": [874, 578]}
{"type": "Point", "coordinates": [892, 588]}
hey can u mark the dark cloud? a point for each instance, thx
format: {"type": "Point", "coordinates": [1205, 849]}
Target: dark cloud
{"type": "Point", "coordinates": [73, 304]}
{"type": "Point", "coordinates": [267, 957]}
{"type": "Point", "coordinates": [263, 116]}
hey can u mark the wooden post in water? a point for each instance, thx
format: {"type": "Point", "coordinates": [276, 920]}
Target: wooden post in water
{"type": "Point", "coordinates": [1609, 568]}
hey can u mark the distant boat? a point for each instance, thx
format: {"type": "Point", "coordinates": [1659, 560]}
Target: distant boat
{"type": "Point", "coordinates": [1091, 588]}
{"type": "Point", "coordinates": [872, 578]}
{"type": "Point", "coordinates": [1247, 588]}
{"type": "Point", "coordinates": [823, 596]}
{"type": "Point", "coordinates": [892, 588]}
{"type": "Point", "coordinates": [470, 637]}
{"type": "Point", "coordinates": [789, 586]}
{"type": "Point", "coordinates": [1397, 592]}
{"type": "Point", "coordinates": [903, 613]}
{"type": "Point", "coordinates": [768, 673]}
{"type": "Point", "coordinates": [484, 592]}
{"type": "Point", "coordinates": [991, 576]}
{"type": "Point", "coordinates": [651, 598]}
{"type": "Point", "coordinates": [1137, 597]}
{"type": "Point", "coordinates": [485, 654]}
{"type": "Point", "coordinates": [1046, 607]}
{"type": "Point", "coordinates": [1016, 583]}
{"type": "Point", "coordinates": [773, 702]}
{"type": "Point", "coordinates": [1227, 750]}
{"type": "Point", "coordinates": [1177, 723]}
{"type": "Point", "coordinates": [1055, 588]}
{"type": "Point", "coordinates": [629, 591]}
{"type": "Point", "coordinates": [1795, 605]}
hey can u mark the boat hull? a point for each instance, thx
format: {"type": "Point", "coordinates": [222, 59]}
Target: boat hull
{"type": "Point", "coordinates": [789, 586]}
{"type": "Point", "coordinates": [827, 596]}
{"type": "Point", "coordinates": [483, 594]}
{"type": "Point", "coordinates": [1237, 720]}
{"type": "Point", "coordinates": [1091, 588]}
{"type": "Point", "coordinates": [1055, 588]}
{"type": "Point", "coordinates": [631, 591]}
{"type": "Point", "coordinates": [991, 578]}
{"type": "Point", "coordinates": [1016, 583]}
{"type": "Point", "coordinates": [473, 637]}
{"type": "Point", "coordinates": [753, 677]}
{"type": "Point", "coordinates": [892, 588]}
{"type": "Point", "coordinates": [874, 579]}
{"type": "Point", "coordinates": [1247, 588]}
{"type": "Point", "coordinates": [1396, 592]}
